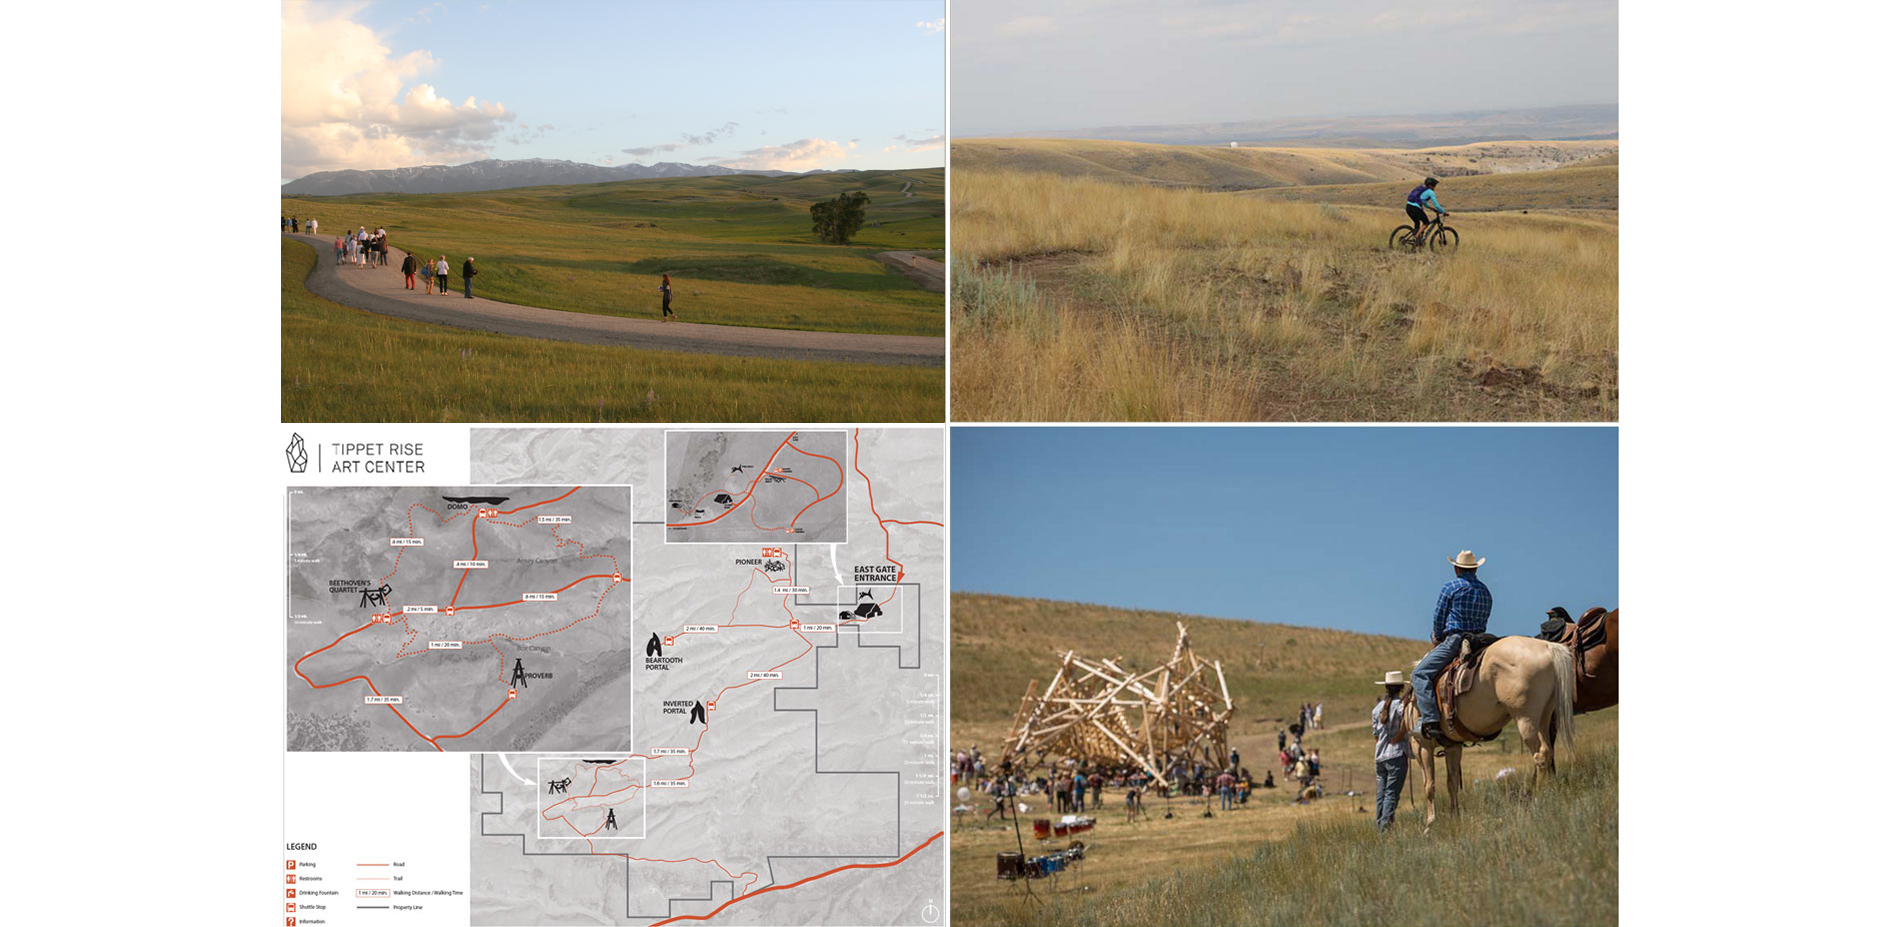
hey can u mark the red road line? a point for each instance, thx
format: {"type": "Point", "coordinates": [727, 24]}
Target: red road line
{"type": "Point", "coordinates": [542, 502]}
{"type": "Point", "coordinates": [296, 667]}
{"type": "Point", "coordinates": [774, 888]}
{"type": "Point", "coordinates": [872, 498]}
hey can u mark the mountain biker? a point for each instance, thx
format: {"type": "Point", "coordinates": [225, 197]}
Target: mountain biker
{"type": "Point", "coordinates": [1422, 196]}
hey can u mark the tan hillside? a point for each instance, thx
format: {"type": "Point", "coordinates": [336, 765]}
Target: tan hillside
{"type": "Point", "coordinates": [999, 644]}
{"type": "Point", "coordinates": [1572, 187]}
{"type": "Point", "coordinates": [1218, 168]}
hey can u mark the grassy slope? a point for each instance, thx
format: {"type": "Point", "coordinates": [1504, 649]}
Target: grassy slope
{"type": "Point", "coordinates": [998, 644]}
{"type": "Point", "coordinates": [1250, 168]}
{"type": "Point", "coordinates": [1548, 858]}
{"type": "Point", "coordinates": [739, 247]}
{"type": "Point", "coordinates": [344, 365]}
{"type": "Point", "coordinates": [1571, 187]}
{"type": "Point", "coordinates": [1083, 299]}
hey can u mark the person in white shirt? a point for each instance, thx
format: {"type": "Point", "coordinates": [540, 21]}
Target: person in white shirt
{"type": "Point", "coordinates": [1389, 748]}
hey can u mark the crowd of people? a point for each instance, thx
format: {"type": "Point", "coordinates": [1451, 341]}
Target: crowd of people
{"type": "Point", "coordinates": [364, 248]}
{"type": "Point", "coordinates": [1070, 786]}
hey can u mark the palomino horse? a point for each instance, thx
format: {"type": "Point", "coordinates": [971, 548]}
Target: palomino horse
{"type": "Point", "coordinates": [1530, 681]}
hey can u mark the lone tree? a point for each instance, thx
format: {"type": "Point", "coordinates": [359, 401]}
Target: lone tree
{"type": "Point", "coordinates": [837, 220]}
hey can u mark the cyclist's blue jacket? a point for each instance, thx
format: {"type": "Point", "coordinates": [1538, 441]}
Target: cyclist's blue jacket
{"type": "Point", "coordinates": [1423, 197]}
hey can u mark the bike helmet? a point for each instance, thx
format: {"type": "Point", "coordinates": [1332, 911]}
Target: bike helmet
{"type": "Point", "coordinates": [1431, 181]}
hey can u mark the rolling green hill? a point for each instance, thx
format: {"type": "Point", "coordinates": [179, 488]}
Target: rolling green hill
{"type": "Point", "coordinates": [739, 247]}
{"type": "Point", "coordinates": [345, 365]}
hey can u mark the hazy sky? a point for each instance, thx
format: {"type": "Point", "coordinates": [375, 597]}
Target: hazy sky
{"type": "Point", "coordinates": [1330, 527]}
{"type": "Point", "coordinates": [788, 85]}
{"type": "Point", "coordinates": [1028, 65]}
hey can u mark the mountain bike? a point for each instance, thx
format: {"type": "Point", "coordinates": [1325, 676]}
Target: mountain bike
{"type": "Point", "coordinates": [1441, 238]}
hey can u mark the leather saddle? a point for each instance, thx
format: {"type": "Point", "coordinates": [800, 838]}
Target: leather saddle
{"type": "Point", "coordinates": [1456, 680]}
{"type": "Point", "coordinates": [1581, 636]}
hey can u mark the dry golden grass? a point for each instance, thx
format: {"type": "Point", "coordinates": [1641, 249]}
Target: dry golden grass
{"type": "Point", "coordinates": [1275, 311]}
{"type": "Point", "coordinates": [1575, 187]}
{"type": "Point", "coordinates": [1221, 168]}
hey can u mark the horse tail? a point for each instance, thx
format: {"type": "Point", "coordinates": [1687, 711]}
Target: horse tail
{"type": "Point", "coordinates": [1566, 667]}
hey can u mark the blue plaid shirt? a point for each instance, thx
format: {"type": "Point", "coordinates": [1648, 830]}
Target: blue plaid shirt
{"type": "Point", "coordinates": [1464, 605]}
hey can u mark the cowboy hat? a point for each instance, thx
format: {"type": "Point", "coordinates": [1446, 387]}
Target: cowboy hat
{"type": "Point", "coordinates": [1393, 678]}
{"type": "Point", "coordinates": [1466, 560]}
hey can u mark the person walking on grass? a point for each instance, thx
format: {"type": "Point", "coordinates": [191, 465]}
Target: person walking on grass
{"type": "Point", "coordinates": [666, 297]}
{"type": "Point", "coordinates": [408, 271]}
{"type": "Point", "coordinates": [310, 226]}
{"type": "Point", "coordinates": [1389, 748]}
{"type": "Point", "coordinates": [442, 274]}
{"type": "Point", "coordinates": [468, 278]}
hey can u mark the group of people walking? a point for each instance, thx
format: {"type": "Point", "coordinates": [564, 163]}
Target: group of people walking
{"type": "Point", "coordinates": [364, 248]}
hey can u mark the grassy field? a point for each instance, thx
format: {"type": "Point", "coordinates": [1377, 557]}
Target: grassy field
{"type": "Point", "coordinates": [739, 247]}
{"type": "Point", "coordinates": [1219, 168]}
{"type": "Point", "coordinates": [1511, 857]}
{"type": "Point", "coordinates": [1080, 299]}
{"type": "Point", "coordinates": [1574, 188]}
{"type": "Point", "coordinates": [345, 365]}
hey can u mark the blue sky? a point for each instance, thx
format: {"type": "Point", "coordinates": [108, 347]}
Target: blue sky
{"type": "Point", "coordinates": [1329, 527]}
{"type": "Point", "coordinates": [786, 85]}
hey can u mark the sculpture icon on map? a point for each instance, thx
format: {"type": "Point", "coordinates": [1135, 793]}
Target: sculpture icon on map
{"type": "Point", "coordinates": [653, 645]}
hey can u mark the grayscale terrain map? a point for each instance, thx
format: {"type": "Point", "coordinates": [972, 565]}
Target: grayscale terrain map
{"type": "Point", "coordinates": [756, 486]}
{"type": "Point", "coordinates": [788, 697]}
{"type": "Point", "coordinates": [458, 619]}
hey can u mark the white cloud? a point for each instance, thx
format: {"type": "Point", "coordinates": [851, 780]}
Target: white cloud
{"type": "Point", "coordinates": [345, 105]}
{"type": "Point", "coordinates": [709, 136]}
{"type": "Point", "coordinates": [801, 155]}
{"type": "Point", "coordinates": [934, 27]}
{"type": "Point", "coordinates": [661, 148]}
{"type": "Point", "coordinates": [909, 145]}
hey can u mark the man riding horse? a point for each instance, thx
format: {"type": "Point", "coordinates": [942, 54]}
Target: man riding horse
{"type": "Point", "coordinates": [1464, 606]}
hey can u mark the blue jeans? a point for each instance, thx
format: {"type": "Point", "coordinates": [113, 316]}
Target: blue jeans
{"type": "Point", "coordinates": [468, 287]}
{"type": "Point", "coordinates": [1440, 657]}
{"type": "Point", "coordinates": [1391, 776]}
{"type": "Point", "coordinates": [1226, 798]}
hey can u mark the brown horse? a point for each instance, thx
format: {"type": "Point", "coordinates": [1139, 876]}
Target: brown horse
{"type": "Point", "coordinates": [1593, 644]}
{"type": "Point", "coordinates": [1522, 679]}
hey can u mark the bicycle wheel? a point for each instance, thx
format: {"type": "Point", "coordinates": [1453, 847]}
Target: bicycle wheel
{"type": "Point", "coordinates": [1445, 241]}
{"type": "Point", "coordinates": [1401, 240]}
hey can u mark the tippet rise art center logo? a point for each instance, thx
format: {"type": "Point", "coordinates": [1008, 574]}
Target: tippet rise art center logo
{"type": "Point", "coordinates": [295, 454]}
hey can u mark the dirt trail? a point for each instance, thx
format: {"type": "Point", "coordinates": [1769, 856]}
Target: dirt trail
{"type": "Point", "coordinates": [925, 272]}
{"type": "Point", "coordinates": [380, 290]}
